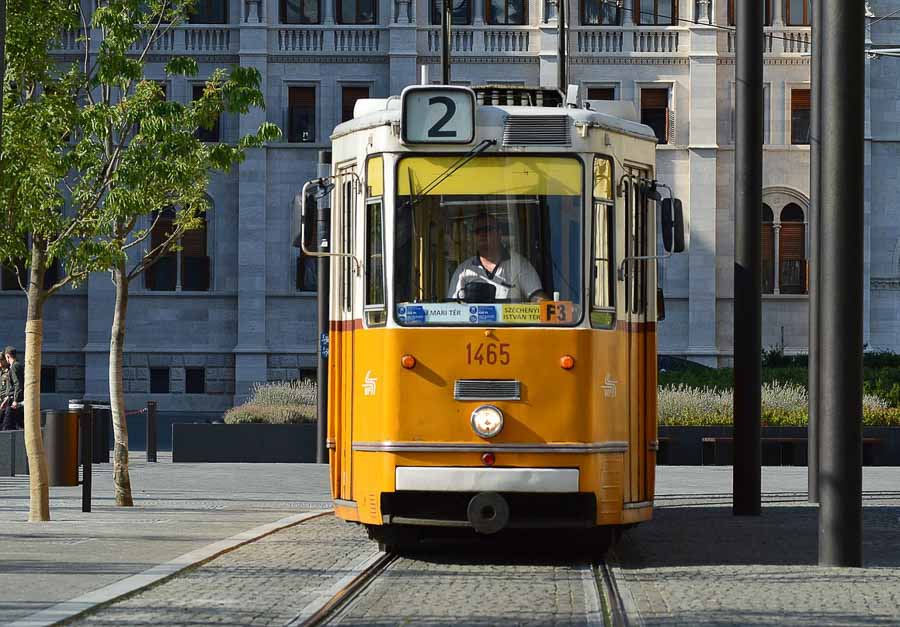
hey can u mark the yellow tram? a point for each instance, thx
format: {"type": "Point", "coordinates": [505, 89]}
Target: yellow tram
{"type": "Point", "coordinates": [493, 309]}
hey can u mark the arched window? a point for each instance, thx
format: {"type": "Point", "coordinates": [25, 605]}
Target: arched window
{"type": "Point", "coordinates": [768, 250]}
{"type": "Point", "coordinates": [792, 251]}
{"type": "Point", "coordinates": [185, 269]}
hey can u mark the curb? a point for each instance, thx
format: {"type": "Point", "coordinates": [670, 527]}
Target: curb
{"type": "Point", "coordinates": [68, 610]}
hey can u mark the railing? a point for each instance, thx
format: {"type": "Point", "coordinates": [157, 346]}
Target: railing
{"type": "Point", "coordinates": [207, 38]}
{"type": "Point", "coordinates": [651, 40]}
{"type": "Point", "coordinates": [791, 40]}
{"type": "Point", "coordinates": [300, 40]}
{"type": "Point", "coordinates": [479, 40]}
{"type": "Point", "coordinates": [599, 41]}
{"type": "Point", "coordinates": [323, 40]}
{"type": "Point", "coordinates": [357, 39]}
{"type": "Point", "coordinates": [629, 40]}
{"type": "Point", "coordinates": [69, 40]}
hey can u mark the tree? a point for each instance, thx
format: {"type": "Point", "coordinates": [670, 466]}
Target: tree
{"type": "Point", "coordinates": [112, 152]}
{"type": "Point", "coordinates": [162, 165]}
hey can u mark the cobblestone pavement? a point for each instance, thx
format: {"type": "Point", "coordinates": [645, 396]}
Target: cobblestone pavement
{"type": "Point", "coordinates": [478, 586]}
{"type": "Point", "coordinates": [267, 582]}
{"type": "Point", "coordinates": [178, 508]}
{"type": "Point", "coordinates": [697, 564]}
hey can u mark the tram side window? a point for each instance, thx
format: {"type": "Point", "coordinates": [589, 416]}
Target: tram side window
{"type": "Point", "coordinates": [376, 309]}
{"type": "Point", "coordinates": [603, 310]}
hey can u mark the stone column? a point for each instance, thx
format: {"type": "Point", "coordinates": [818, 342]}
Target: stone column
{"type": "Point", "coordinates": [328, 11]}
{"type": "Point", "coordinates": [778, 13]}
{"type": "Point", "coordinates": [402, 54]}
{"type": "Point", "coordinates": [701, 124]}
{"type": "Point", "coordinates": [252, 346]}
{"type": "Point", "coordinates": [478, 12]}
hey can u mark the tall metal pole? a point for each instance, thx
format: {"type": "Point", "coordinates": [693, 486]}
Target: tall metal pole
{"type": "Point", "coordinates": [562, 54]}
{"type": "Point", "coordinates": [747, 270]}
{"type": "Point", "coordinates": [323, 234]}
{"type": "Point", "coordinates": [841, 262]}
{"type": "Point", "coordinates": [815, 166]}
{"type": "Point", "coordinates": [445, 40]}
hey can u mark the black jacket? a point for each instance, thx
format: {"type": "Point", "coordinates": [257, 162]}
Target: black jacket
{"type": "Point", "coordinates": [17, 382]}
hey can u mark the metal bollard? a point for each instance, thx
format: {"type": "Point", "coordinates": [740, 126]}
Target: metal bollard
{"type": "Point", "coordinates": [61, 446]}
{"type": "Point", "coordinates": [87, 456]}
{"type": "Point", "coordinates": [151, 431]}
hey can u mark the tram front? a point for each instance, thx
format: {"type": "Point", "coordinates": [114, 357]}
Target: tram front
{"type": "Point", "coordinates": [501, 366]}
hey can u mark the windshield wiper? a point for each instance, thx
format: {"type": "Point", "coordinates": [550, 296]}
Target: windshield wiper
{"type": "Point", "coordinates": [443, 176]}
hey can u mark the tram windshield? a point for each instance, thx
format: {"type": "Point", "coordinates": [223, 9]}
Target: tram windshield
{"type": "Point", "coordinates": [496, 241]}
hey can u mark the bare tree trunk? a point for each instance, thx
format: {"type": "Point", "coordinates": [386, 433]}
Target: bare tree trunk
{"type": "Point", "coordinates": [39, 509]}
{"type": "Point", "coordinates": [121, 478]}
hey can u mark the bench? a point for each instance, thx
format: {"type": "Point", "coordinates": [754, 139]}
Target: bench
{"type": "Point", "coordinates": [776, 450]}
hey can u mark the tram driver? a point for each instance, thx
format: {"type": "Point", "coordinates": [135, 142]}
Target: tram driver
{"type": "Point", "coordinates": [501, 273]}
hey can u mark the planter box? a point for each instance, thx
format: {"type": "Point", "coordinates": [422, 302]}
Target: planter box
{"type": "Point", "coordinates": [781, 446]}
{"type": "Point", "coordinates": [258, 443]}
{"type": "Point", "coordinates": [13, 460]}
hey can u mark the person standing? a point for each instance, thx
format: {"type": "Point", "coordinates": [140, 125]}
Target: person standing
{"type": "Point", "coordinates": [13, 416]}
{"type": "Point", "coordinates": [4, 388]}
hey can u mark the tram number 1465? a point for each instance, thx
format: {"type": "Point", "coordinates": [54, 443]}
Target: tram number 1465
{"type": "Point", "coordinates": [490, 354]}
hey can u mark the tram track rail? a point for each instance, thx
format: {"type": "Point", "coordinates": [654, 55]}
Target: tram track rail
{"type": "Point", "coordinates": [614, 614]}
{"type": "Point", "coordinates": [335, 600]}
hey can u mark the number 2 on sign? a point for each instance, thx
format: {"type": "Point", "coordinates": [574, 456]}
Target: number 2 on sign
{"type": "Point", "coordinates": [490, 354]}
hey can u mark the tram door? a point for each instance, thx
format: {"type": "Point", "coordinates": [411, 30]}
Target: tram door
{"type": "Point", "coordinates": [348, 191]}
{"type": "Point", "coordinates": [636, 287]}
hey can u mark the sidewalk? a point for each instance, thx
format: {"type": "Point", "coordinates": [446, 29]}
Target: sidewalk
{"type": "Point", "coordinates": [178, 508]}
{"type": "Point", "coordinates": [697, 564]}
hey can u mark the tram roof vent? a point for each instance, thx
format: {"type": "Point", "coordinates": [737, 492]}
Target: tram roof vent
{"type": "Point", "coordinates": [541, 130]}
{"type": "Point", "coordinates": [487, 390]}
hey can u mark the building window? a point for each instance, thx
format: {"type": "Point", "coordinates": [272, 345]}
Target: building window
{"type": "Point", "coordinates": [784, 264]}
{"type": "Point", "coordinates": [656, 12]}
{"type": "Point", "coordinates": [195, 259]}
{"type": "Point", "coordinates": [600, 13]}
{"type": "Point", "coordinates": [798, 12]}
{"type": "Point", "coordinates": [209, 12]}
{"type": "Point", "coordinates": [301, 114]}
{"type": "Point", "coordinates": [195, 380]}
{"type": "Point", "coordinates": [655, 111]}
{"type": "Point", "coordinates": [767, 12]}
{"type": "Point", "coordinates": [349, 96]}
{"type": "Point", "coordinates": [300, 11]}
{"type": "Point", "coordinates": [462, 12]}
{"type": "Point", "coordinates": [159, 380]}
{"type": "Point", "coordinates": [800, 118]}
{"type": "Point", "coordinates": [9, 280]}
{"type": "Point", "coordinates": [792, 251]}
{"type": "Point", "coordinates": [185, 269]}
{"type": "Point", "coordinates": [356, 11]}
{"type": "Point", "coordinates": [48, 379]}
{"type": "Point", "coordinates": [768, 250]}
{"type": "Point", "coordinates": [204, 134]}
{"type": "Point", "coordinates": [506, 12]}
{"type": "Point", "coordinates": [601, 93]}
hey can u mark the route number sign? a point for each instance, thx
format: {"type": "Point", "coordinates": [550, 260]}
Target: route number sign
{"type": "Point", "coordinates": [437, 115]}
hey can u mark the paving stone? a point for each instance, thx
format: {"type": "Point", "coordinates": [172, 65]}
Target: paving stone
{"type": "Point", "coordinates": [267, 582]}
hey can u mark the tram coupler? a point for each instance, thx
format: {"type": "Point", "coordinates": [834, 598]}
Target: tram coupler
{"type": "Point", "coordinates": [488, 512]}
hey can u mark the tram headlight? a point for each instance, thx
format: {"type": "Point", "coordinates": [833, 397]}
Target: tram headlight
{"type": "Point", "coordinates": [487, 421]}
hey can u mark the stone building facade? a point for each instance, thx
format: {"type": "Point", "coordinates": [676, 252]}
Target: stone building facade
{"type": "Point", "coordinates": [197, 341]}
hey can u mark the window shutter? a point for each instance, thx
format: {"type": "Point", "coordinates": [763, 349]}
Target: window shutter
{"type": "Point", "coordinates": [349, 96]}
{"type": "Point", "coordinates": [800, 100]}
{"type": "Point", "coordinates": [792, 245]}
{"type": "Point", "coordinates": [601, 93]}
{"type": "Point", "coordinates": [654, 98]}
{"type": "Point", "coordinates": [302, 97]}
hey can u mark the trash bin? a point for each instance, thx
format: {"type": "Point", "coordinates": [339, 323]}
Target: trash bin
{"type": "Point", "coordinates": [102, 425]}
{"type": "Point", "coordinates": [61, 436]}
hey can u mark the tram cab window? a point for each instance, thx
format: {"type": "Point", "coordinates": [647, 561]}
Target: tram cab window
{"type": "Point", "coordinates": [488, 242]}
{"type": "Point", "coordinates": [603, 311]}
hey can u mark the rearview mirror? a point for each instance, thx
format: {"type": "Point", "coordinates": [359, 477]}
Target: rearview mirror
{"type": "Point", "coordinates": [671, 221]}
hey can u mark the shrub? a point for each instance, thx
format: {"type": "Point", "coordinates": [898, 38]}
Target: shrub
{"type": "Point", "coordinates": [270, 414]}
{"type": "Point", "coordinates": [783, 405]}
{"type": "Point", "coordinates": [289, 402]}
{"type": "Point", "coordinates": [284, 393]}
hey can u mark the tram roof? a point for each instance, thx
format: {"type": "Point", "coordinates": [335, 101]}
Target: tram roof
{"type": "Point", "coordinates": [375, 112]}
